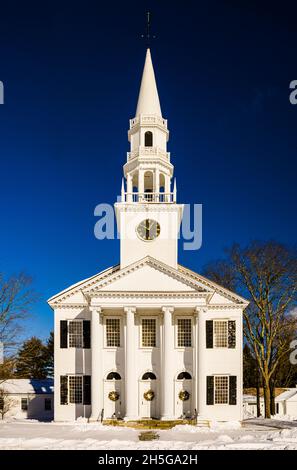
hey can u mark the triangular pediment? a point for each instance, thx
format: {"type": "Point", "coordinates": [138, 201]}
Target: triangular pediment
{"type": "Point", "coordinates": [146, 275]}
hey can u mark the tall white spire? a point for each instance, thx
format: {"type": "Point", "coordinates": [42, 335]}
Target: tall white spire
{"type": "Point", "coordinates": [148, 99]}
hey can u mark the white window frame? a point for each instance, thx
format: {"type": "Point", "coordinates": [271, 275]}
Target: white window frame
{"type": "Point", "coordinates": [82, 389]}
{"type": "Point", "coordinates": [112, 317]}
{"type": "Point", "coordinates": [220, 320]}
{"type": "Point", "coordinates": [75, 320]}
{"type": "Point", "coordinates": [183, 317]}
{"type": "Point", "coordinates": [148, 317]}
{"type": "Point", "coordinates": [214, 389]}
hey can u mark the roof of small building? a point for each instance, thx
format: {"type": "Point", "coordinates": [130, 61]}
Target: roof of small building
{"type": "Point", "coordinates": [287, 394]}
{"type": "Point", "coordinates": [32, 386]}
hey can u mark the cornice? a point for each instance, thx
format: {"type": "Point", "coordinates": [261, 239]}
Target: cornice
{"type": "Point", "coordinates": [147, 295]}
{"type": "Point", "coordinates": [149, 206]}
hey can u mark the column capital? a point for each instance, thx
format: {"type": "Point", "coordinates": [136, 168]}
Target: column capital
{"type": "Point", "coordinates": [95, 309]}
{"type": "Point", "coordinates": [130, 309]}
{"type": "Point", "coordinates": [200, 308]}
{"type": "Point", "coordinates": [167, 309]}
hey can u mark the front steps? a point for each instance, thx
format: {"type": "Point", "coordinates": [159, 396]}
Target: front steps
{"type": "Point", "coordinates": [155, 423]}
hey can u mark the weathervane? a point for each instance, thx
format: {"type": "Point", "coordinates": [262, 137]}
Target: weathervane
{"type": "Point", "coordinates": [148, 35]}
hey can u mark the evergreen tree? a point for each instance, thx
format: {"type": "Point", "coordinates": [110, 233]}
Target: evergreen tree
{"type": "Point", "coordinates": [31, 360]}
{"type": "Point", "coordinates": [49, 355]}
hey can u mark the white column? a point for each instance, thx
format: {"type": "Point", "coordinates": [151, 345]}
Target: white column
{"type": "Point", "coordinates": [167, 188]}
{"type": "Point", "coordinates": [196, 358]}
{"type": "Point", "coordinates": [202, 362]}
{"type": "Point", "coordinates": [96, 369]}
{"type": "Point", "coordinates": [141, 184]}
{"type": "Point", "coordinates": [131, 389]}
{"type": "Point", "coordinates": [157, 185]}
{"type": "Point", "coordinates": [167, 411]}
{"type": "Point", "coordinates": [129, 187]}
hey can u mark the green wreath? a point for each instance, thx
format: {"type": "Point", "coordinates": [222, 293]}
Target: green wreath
{"type": "Point", "coordinates": [184, 395]}
{"type": "Point", "coordinates": [113, 396]}
{"type": "Point", "coordinates": [149, 395]}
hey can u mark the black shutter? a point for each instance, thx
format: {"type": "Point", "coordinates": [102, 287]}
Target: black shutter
{"type": "Point", "coordinates": [209, 334]}
{"type": "Point", "coordinates": [87, 389]}
{"type": "Point", "coordinates": [209, 390]}
{"type": "Point", "coordinates": [63, 334]}
{"type": "Point", "coordinates": [232, 389]}
{"type": "Point", "coordinates": [64, 390]}
{"type": "Point", "coordinates": [231, 334]}
{"type": "Point", "coordinates": [87, 334]}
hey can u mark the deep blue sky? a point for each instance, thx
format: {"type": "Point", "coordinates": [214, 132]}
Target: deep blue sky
{"type": "Point", "coordinates": [71, 72]}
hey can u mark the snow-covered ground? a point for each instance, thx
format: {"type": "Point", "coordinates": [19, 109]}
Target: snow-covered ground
{"type": "Point", "coordinates": [253, 434]}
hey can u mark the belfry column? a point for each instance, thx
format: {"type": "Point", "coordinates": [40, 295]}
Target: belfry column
{"type": "Point", "coordinates": [140, 185]}
{"type": "Point", "coordinates": [167, 411]}
{"type": "Point", "coordinates": [157, 185]}
{"type": "Point", "coordinates": [129, 188]}
{"type": "Point", "coordinates": [130, 379]}
{"type": "Point", "coordinates": [96, 369]}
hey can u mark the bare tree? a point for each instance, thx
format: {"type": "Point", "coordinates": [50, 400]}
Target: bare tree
{"type": "Point", "coordinates": [6, 402]}
{"type": "Point", "coordinates": [265, 273]}
{"type": "Point", "coordinates": [16, 299]}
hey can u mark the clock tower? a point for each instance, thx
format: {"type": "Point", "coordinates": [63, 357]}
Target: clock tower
{"type": "Point", "coordinates": [148, 215]}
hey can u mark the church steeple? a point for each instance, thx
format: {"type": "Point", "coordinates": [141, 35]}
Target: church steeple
{"type": "Point", "coordinates": [148, 170]}
{"type": "Point", "coordinates": [148, 99]}
{"type": "Point", "coordinates": [148, 216]}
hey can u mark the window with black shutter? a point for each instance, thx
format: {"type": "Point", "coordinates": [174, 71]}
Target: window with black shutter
{"type": "Point", "coordinates": [210, 390]}
{"type": "Point", "coordinates": [209, 334]}
{"type": "Point", "coordinates": [87, 389]}
{"type": "Point", "coordinates": [64, 390]}
{"type": "Point", "coordinates": [232, 389]}
{"type": "Point", "coordinates": [231, 334]}
{"type": "Point", "coordinates": [87, 334]}
{"type": "Point", "coordinates": [63, 334]}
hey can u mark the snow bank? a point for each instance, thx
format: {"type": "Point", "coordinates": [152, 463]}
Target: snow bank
{"type": "Point", "coordinates": [284, 417]}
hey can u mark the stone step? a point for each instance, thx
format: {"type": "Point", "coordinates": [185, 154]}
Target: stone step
{"type": "Point", "coordinates": [155, 423]}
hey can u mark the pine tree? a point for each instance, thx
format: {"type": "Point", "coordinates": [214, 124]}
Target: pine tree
{"type": "Point", "coordinates": [31, 360]}
{"type": "Point", "coordinates": [49, 355]}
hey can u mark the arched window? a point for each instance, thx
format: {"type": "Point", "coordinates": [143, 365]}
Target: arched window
{"type": "Point", "coordinates": [113, 376]}
{"type": "Point", "coordinates": [184, 376]}
{"type": "Point", "coordinates": [148, 139]}
{"type": "Point", "coordinates": [149, 376]}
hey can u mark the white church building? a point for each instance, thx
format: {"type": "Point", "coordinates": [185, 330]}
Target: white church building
{"type": "Point", "coordinates": [148, 338]}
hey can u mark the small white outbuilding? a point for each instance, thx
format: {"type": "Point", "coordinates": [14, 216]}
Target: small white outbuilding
{"type": "Point", "coordinates": [285, 404]}
{"type": "Point", "coordinates": [27, 398]}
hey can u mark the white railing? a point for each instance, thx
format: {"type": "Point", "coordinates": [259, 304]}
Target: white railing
{"type": "Point", "coordinates": [149, 197]}
{"type": "Point", "coordinates": [148, 119]}
{"type": "Point", "coordinates": [148, 151]}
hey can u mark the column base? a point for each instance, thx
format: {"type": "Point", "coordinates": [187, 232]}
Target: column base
{"type": "Point", "coordinates": [168, 418]}
{"type": "Point", "coordinates": [131, 418]}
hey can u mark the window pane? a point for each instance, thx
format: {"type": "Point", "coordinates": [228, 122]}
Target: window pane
{"type": "Point", "coordinates": [75, 389]}
{"type": "Point", "coordinates": [75, 331]}
{"type": "Point", "coordinates": [184, 332]}
{"type": "Point", "coordinates": [24, 404]}
{"type": "Point", "coordinates": [221, 334]}
{"type": "Point", "coordinates": [113, 332]}
{"type": "Point", "coordinates": [148, 332]}
{"type": "Point", "coordinates": [221, 390]}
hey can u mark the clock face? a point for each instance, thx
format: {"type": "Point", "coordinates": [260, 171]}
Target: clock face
{"type": "Point", "coordinates": [148, 230]}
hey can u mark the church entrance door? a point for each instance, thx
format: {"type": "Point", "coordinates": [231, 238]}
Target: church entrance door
{"type": "Point", "coordinates": [148, 396]}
